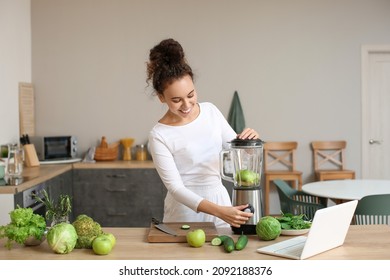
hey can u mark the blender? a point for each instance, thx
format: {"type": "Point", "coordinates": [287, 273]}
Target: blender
{"type": "Point", "coordinates": [242, 165]}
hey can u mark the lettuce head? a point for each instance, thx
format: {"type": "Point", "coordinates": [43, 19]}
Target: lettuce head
{"type": "Point", "coordinates": [62, 238]}
{"type": "Point", "coordinates": [268, 228]}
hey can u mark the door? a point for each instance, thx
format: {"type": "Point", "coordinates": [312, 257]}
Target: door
{"type": "Point", "coordinates": [376, 112]}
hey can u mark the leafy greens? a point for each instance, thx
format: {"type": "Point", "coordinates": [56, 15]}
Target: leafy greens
{"type": "Point", "coordinates": [24, 223]}
{"type": "Point", "coordinates": [290, 221]}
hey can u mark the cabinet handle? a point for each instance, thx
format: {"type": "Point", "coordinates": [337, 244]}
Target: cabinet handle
{"type": "Point", "coordinates": [116, 176]}
{"type": "Point", "coordinates": [114, 190]}
{"type": "Point", "coordinates": [117, 214]}
{"type": "Point", "coordinates": [372, 141]}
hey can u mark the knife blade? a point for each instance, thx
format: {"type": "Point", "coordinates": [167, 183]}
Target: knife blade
{"type": "Point", "coordinates": [163, 227]}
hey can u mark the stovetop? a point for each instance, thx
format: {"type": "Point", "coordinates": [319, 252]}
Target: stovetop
{"type": "Point", "coordinates": [9, 182]}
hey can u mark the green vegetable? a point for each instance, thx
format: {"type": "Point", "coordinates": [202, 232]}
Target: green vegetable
{"type": "Point", "coordinates": [56, 212]}
{"type": "Point", "coordinates": [247, 177]}
{"type": "Point", "coordinates": [241, 242]}
{"type": "Point", "coordinates": [24, 223]}
{"type": "Point", "coordinates": [217, 241]}
{"type": "Point", "coordinates": [268, 228]}
{"type": "Point", "coordinates": [290, 221]}
{"type": "Point", "coordinates": [62, 238]}
{"type": "Point", "coordinates": [87, 230]}
{"type": "Point", "coordinates": [228, 244]}
{"type": "Point", "coordinates": [185, 227]}
{"type": "Point", "coordinates": [223, 237]}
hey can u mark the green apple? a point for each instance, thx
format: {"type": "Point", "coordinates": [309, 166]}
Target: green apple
{"type": "Point", "coordinates": [111, 237]}
{"type": "Point", "coordinates": [102, 245]}
{"type": "Point", "coordinates": [247, 177]}
{"type": "Point", "coordinates": [196, 238]}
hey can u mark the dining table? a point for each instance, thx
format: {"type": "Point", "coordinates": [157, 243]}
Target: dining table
{"type": "Point", "coordinates": [349, 189]}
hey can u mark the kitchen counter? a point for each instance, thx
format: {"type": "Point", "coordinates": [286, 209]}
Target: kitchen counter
{"type": "Point", "coordinates": [76, 178]}
{"type": "Point", "coordinates": [36, 175]}
{"type": "Point", "coordinates": [117, 164]}
{"type": "Point", "coordinates": [362, 243]}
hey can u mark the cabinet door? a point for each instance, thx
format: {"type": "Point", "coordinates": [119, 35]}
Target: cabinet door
{"type": "Point", "coordinates": [118, 197]}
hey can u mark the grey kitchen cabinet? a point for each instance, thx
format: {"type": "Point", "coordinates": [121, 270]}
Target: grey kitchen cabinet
{"type": "Point", "coordinates": [127, 197]}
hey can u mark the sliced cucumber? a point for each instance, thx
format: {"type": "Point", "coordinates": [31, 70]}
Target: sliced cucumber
{"type": "Point", "coordinates": [223, 237]}
{"type": "Point", "coordinates": [216, 241]}
{"type": "Point", "coordinates": [185, 227]}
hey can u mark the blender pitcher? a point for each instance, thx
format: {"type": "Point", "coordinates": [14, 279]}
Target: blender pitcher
{"type": "Point", "coordinates": [246, 158]}
{"type": "Point", "coordinates": [242, 165]}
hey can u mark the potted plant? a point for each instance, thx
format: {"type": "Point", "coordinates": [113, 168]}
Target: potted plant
{"type": "Point", "coordinates": [59, 211]}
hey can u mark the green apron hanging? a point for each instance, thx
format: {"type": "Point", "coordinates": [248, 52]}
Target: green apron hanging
{"type": "Point", "coordinates": [236, 115]}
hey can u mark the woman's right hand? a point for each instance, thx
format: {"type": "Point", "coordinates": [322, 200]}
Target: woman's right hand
{"type": "Point", "coordinates": [234, 215]}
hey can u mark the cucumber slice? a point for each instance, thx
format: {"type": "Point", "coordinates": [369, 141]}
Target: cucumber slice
{"type": "Point", "coordinates": [216, 241]}
{"type": "Point", "coordinates": [185, 227]}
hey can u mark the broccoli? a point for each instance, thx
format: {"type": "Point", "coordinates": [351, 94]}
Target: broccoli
{"type": "Point", "coordinates": [87, 229]}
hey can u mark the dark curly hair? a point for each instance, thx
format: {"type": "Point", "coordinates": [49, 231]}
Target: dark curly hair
{"type": "Point", "coordinates": [166, 64]}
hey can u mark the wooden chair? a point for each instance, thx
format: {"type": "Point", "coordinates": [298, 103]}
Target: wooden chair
{"type": "Point", "coordinates": [373, 210]}
{"type": "Point", "coordinates": [279, 163]}
{"type": "Point", "coordinates": [329, 160]}
{"type": "Point", "coordinates": [298, 202]}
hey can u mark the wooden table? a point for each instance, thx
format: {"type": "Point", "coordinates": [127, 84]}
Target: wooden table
{"type": "Point", "coordinates": [362, 242]}
{"type": "Point", "coordinates": [347, 189]}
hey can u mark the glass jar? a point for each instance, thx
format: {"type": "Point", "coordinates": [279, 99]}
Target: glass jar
{"type": "Point", "coordinates": [141, 153]}
{"type": "Point", "coordinates": [57, 219]}
{"type": "Point", "coordinates": [15, 161]}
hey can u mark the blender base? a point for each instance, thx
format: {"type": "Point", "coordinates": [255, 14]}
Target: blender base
{"type": "Point", "coordinates": [245, 229]}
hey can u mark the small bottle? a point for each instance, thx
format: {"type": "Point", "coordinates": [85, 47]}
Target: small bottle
{"type": "Point", "coordinates": [141, 153]}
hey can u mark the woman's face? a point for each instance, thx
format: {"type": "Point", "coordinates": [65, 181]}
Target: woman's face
{"type": "Point", "coordinates": [181, 98]}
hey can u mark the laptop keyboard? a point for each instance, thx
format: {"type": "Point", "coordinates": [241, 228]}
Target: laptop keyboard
{"type": "Point", "coordinates": [293, 250]}
{"type": "Point", "coordinates": [290, 247]}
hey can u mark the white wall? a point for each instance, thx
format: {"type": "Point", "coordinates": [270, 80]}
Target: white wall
{"type": "Point", "coordinates": [295, 65]}
{"type": "Point", "coordinates": [15, 63]}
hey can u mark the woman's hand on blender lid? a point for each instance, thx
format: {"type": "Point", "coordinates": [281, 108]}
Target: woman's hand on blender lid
{"type": "Point", "coordinates": [248, 133]}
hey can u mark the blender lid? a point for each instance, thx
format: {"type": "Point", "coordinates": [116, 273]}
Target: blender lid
{"type": "Point", "coordinates": [247, 142]}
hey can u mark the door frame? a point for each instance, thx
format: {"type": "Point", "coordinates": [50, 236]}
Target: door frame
{"type": "Point", "coordinates": [366, 50]}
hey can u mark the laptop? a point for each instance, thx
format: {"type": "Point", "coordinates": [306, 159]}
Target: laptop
{"type": "Point", "coordinates": [328, 230]}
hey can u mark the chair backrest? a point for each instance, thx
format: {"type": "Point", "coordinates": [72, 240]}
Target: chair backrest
{"type": "Point", "coordinates": [297, 202]}
{"type": "Point", "coordinates": [279, 156]}
{"type": "Point", "coordinates": [373, 209]}
{"type": "Point", "coordinates": [329, 155]}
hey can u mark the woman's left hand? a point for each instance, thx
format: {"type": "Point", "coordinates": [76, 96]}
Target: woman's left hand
{"type": "Point", "coordinates": [248, 133]}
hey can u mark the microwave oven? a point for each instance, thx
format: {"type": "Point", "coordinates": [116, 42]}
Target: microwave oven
{"type": "Point", "coordinates": [55, 147]}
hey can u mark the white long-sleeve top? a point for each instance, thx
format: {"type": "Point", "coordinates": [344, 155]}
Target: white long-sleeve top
{"type": "Point", "coordinates": [187, 159]}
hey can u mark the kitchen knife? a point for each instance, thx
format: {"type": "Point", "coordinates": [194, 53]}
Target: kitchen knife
{"type": "Point", "coordinates": [163, 227]}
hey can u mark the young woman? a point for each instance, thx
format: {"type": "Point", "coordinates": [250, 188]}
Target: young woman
{"type": "Point", "coordinates": [186, 142]}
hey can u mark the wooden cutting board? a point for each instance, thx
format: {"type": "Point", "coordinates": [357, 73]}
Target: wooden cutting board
{"type": "Point", "coordinates": [156, 235]}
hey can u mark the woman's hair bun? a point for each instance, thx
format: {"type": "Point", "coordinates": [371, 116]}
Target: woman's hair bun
{"type": "Point", "coordinates": [171, 52]}
{"type": "Point", "coordinates": [167, 63]}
